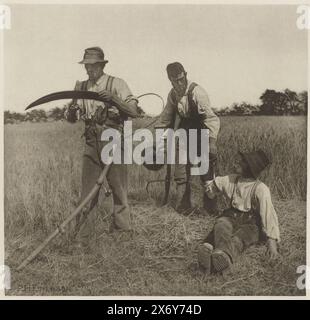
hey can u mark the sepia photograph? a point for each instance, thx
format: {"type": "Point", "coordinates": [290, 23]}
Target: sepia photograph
{"type": "Point", "coordinates": [154, 149]}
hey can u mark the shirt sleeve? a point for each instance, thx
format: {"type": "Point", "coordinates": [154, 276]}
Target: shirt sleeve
{"type": "Point", "coordinates": [211, 189]}
{"type": "Point", "coordinates": [210, 119]}
{"type": "Point", "coordinates": [217, 186]}
{"type": "Point", "coordinates": [74, 101]}
{"type": "Point", "coordinates": [222, 183]}
{"type": "Point", "coordinates": [269, 218]}
{"type": "Point", "coordinates": [121, 89]}
{"type": "Point", "coordinates": [168, 115]}
{"type": "Point", "coordinates": [79, 102]}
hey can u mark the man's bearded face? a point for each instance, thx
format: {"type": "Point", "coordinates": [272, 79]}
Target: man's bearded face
{"type": "Point", "coordinates": [94, 70]}
{"type": "Point", "coordinates": [179, 83]}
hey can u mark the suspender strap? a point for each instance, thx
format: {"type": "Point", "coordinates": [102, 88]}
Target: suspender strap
{"type": "Point", "coordinates": [109, 85]}
{"type": "Point", "coordinates": [194, 116]}
{"type": "Point", "coordinates": [191, 103]}
{"type": "Point", "coordinates": [84, 88]}
{"type": "Point", "coordinates": [234, 190]}
{"type": "Point", "coordinates": [253, 192]}
{"type": "Point", "coordinates": [193, 108]}
{"type": "Point", "coordinates": [84, 85]}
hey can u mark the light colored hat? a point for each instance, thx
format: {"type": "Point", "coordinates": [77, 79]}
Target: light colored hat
{"type": "Point", "coordinates": [93, 55]}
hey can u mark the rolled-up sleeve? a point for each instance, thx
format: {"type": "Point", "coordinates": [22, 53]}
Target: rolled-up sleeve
{"type": "Point", "coordinates": [269, 218]}
{"type": "Point", "coordinates": [210, 119]}
{"type": "Point", "coordinates": [167, 117]}
{"type": "Point", "coordinates": [211, 189]}
{"type": "Point", "coordinates": [122, 90]}
{"type": "Point", "coordinates": [216, 186]}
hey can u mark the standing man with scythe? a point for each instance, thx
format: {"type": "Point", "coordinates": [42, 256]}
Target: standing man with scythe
{"type": "Point", "coordinates": [119, 103]}
{"type": "Point", "coordinates": [188, 107]}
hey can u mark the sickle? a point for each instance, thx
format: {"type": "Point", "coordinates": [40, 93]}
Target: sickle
{"type": "Point", "coordinates": [74, 94]}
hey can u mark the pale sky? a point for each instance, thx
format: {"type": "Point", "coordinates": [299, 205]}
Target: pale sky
{"type": "Point", "coordinates": [234, 51]}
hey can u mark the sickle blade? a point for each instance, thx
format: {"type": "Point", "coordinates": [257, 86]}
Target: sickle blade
{"type": "Point", "coordinates": [66, 95]}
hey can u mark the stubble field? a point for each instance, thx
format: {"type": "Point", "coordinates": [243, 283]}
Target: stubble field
{"type": "Point", "coordinates": [42, 184]}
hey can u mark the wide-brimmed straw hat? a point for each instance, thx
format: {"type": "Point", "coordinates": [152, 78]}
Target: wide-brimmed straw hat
{"type": "Point", "coordinates": [256, 160]}
{"type": "Point", "coordinates": [93, 55]}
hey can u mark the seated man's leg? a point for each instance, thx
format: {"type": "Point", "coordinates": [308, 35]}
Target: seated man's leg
{"type": "Point", "coordinates": [244, 236]}
{"type": "Point", "coordinates": [223, 231]}
{"type": "Point", "coordinates": [233, 240]}
{"type": "Point", "coordinates": [227, 246]}
{"type": "Point", "coordinates": [228, 239]}
{"type": "Point", "coordinates": [219, 246]}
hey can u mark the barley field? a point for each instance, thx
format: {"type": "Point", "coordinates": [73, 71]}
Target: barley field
{"type": "Point", "coordinates": [42, 184]}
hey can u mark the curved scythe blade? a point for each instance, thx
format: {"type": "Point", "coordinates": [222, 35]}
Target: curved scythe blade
{"type": "Point", "coordinates": [66, 95]}
{"type": "Point", "coordinates": [76, 94]}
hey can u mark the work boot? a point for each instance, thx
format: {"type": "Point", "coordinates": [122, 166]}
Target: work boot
{"type": "Point", "coordinates": [85, 236]}
{"type": "Point", "coordinates": [220, 260]}
{"type": "Point", "coordinates": [204, 257]}
{"type": "Point", "coordinates": [122, 218]}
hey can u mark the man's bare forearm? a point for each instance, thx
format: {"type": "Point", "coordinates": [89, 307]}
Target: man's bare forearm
{"type": "Point", "coordinates": [130, 109]}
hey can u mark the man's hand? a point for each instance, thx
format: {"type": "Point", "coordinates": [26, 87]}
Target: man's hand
{"type": "Point", "coordinates": [71, 113]}
{"type": "Point", "coordinates": [272, 250]}
{"type": "Point", "coordinates": [129, 109]}
{"type": "Point", "coordinates": [107, 96]}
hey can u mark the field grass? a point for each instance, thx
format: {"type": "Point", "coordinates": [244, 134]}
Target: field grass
{"type": "Point", "coordinates": [42, 185]}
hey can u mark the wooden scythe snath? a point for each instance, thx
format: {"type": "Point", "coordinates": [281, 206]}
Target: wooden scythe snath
{"type": "Point", "coordinates": [61, 228]}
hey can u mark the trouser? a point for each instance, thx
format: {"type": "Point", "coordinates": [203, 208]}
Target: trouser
{"type": "Point", "coordinates": [234, 231]}
{"type": "Point", "coordinates": [116, 178]}
{"type": "Point", "coordinates": [182, 178]}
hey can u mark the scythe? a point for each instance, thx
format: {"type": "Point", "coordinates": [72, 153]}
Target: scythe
{"type": "Point", "coordinates": [101, 179]}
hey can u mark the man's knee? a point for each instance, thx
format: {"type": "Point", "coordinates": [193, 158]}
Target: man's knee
{"type": "Point", "coordinates": [248, 234]}
{"type": "Point", "coordinates": [223, 224]}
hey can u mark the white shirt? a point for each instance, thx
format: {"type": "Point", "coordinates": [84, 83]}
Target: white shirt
{"type": "Point", "coordinates": [201, 100]}
{"type": "Point", "coordinates": [241, 200]}
{"type": "Point", "coordinates": [119, 88]}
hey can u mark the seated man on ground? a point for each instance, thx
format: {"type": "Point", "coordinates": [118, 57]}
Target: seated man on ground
{"type": "Point", "coordinates": [250, 218]}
